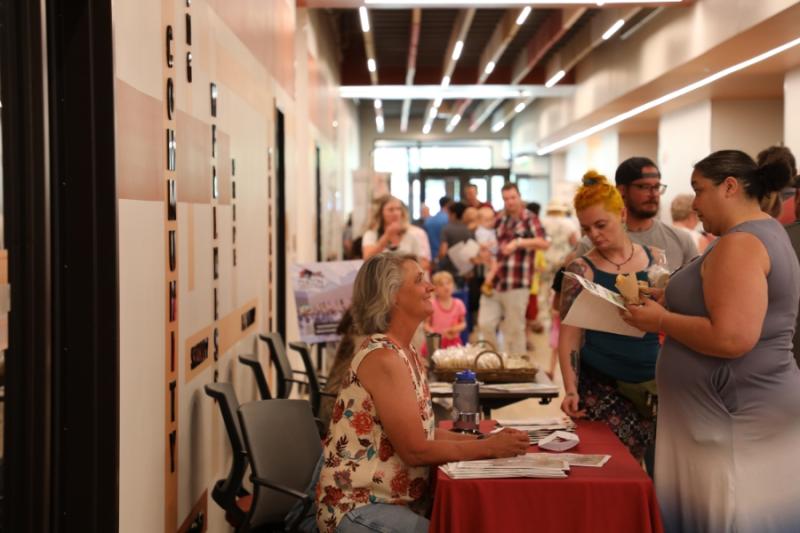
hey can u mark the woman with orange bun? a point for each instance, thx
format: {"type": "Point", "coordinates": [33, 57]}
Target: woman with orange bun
{"type": "Point", "coordinates": [609, 377]}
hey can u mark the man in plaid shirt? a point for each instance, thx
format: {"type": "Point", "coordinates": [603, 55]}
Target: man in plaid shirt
{"type": "Point", "coordinates": [519, 235]}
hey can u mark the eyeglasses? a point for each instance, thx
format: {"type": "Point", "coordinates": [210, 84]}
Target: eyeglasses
{"type": "Point", "coordinates": [658, 188]}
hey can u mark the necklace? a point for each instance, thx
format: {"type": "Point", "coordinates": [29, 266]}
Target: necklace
{"type": "Point", "coordinates": [618, 265]}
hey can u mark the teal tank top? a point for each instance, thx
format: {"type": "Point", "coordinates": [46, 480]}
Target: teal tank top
{"type": "Point", "coordinates": [621, 357]}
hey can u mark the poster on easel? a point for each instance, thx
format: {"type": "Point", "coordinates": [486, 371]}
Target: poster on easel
{"type": "Point", "coordinates": [322, 292]}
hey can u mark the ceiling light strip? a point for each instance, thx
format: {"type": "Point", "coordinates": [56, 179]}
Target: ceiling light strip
{"type": "Point", "coordinates": [523, 15]}
{"type": "Point", "coordinates": [667, 97]}
{"type": "Point", "coordinates": [457, 49]}
{"type": "Point", "coordinates": [613, 29]}
{"type": "Point", "coordinates": [364, 16]}
{"type": "Point", "coordinates": [555, 79]}
{"type": "Point", "coordinates": [490, 3]}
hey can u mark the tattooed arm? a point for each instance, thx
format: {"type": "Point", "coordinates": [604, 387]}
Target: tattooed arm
{"type": "Point", "coordinates": [570, 339]}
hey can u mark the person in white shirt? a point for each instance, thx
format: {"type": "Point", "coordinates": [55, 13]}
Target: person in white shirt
{"type": "Point", "coordinates": [391, 231]}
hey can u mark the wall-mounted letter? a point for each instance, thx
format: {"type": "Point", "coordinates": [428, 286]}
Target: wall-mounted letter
{"type": "Point", "coordinates": [189, 67]}
{"type": "Point", "coordinates": [188, 29]}
{"type": "Point", "coordinates": [170, 98]}
{"type": "Point", "coordinates": [213, 99]}
{"type": "Point", "coordinates": [172, 201]}
{"type": "Point", "coordinates": [171, 148]}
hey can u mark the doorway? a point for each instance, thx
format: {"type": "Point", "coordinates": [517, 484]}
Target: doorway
{"type": "Point", "coordinates": [429, 185]}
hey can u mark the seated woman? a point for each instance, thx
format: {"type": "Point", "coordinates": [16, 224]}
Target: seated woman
{"type": "Point", "coordinates": [382, 440]}
{"type": "Point", "coordinates": [729, 409]}
{"type": "Point", "coordinates": [605, 374]}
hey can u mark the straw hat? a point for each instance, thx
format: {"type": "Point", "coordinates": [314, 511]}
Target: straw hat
{"type": "Point", "coordinates": [557, 206]}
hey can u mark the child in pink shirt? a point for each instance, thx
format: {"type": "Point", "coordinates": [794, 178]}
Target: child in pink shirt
{"type": "Point", "coordinates": [449, 314]}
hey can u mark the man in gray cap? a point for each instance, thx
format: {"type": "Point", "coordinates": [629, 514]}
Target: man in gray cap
{"type": "Point", "coordinates": [639, 181]}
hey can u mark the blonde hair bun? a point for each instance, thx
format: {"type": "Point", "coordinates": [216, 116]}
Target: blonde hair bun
{"type": "Point", "coordinates": [593, 177]}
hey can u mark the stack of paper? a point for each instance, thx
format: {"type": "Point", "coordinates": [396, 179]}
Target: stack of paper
{"type": "Point", "coordinates": [528, 465]}
{"type": "Point", "coordinates": [539, 427]}
{"type": "Point", "coordinates": [578, 459]}
{"type": "Point", "coordinates": [520, 387]}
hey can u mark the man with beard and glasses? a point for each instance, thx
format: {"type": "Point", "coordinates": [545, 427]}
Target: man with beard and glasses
{"type": "Point", "coordinates": [639, 181]}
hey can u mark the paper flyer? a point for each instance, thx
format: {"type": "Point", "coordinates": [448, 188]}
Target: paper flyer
{"type": "Point", "coordinates": [597, 308]}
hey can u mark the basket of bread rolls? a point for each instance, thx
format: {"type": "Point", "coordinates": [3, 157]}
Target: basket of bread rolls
{"type": "Point", "coordinates": [490, 365]}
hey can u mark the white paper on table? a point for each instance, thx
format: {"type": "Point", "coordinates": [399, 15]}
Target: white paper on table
{"type": "Point", "coordinates": [559, 441]}
{"type": "Point", "coordinates": [461, 255]}
{"type": "Point", "coordinates": [597, 308]}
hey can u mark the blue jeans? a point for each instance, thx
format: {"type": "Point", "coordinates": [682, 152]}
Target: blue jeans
{"type": "Point", "coordinates": [383, 518]}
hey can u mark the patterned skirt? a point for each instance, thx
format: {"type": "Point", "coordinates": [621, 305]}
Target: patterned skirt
{"type": "Point", "coordinates": [602, 400]}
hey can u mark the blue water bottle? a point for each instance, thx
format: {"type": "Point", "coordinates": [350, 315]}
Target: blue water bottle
{"type": "Point", "coordinates": [466, 405]}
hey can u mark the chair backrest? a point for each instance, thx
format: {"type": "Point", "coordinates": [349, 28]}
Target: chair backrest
{"type": "Point", "coordinates": [283, 445]}
{"type": "Point", "coordinates": [311, 375]}
{"type": "Point", "coordinates": [252, 361]}
{"type": "Point", "coordinates": [277, 353]}
{"type": "Point", "coordinates": [226, 490]}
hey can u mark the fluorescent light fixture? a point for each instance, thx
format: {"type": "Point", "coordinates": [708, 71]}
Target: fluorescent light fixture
{"type": "Point", "coordinates": [362, 13]}
{"type": "Point", "coordinates": [454, 121]}
{"type": "Point", "coordinates": [523, 16]}
{"type": "Point", "coordinates": [371, 66]}
{"type": "Point", "coordinates": [555, 79]}
{"type": "Point", "coordinates": [519, 107]}
{"type": "Point", "coordinates": [493, 3]}
{"type": "Point", "coordinates": [457, 50]}
{"type": "Point", "coordinates": [426, 129]}
{"type": "Point", "coordinates": [667, 97]}
{"type": "Point", "coordinates": [437, 102]}
{"type": "Point", "coordinates": [453, 92]}
{"type": "Point", "coordinates": [445, 81]}
{"type": "Point", "coordinates": [489, 67]}
{"type": "Point", "coordinates": [378, 104]}
{"type": "Point", "coordinates": [433, 113]}
{"type": "Point", "coordinates": [379, 123]}
{"type": "Point", "coordinates": [613, 29]}
{"type": "Point", "coordinates": [498, 126]}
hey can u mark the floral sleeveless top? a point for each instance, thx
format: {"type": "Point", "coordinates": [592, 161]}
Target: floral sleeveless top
{"type": "Point", "coordinates": [361, 466]}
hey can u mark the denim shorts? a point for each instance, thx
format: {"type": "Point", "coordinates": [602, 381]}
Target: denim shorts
{"type": "Point", "coordinates": [383, 518]}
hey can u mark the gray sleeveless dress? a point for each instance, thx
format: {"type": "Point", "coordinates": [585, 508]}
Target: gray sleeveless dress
{"type": "Point", "coordinates": [728, 439]}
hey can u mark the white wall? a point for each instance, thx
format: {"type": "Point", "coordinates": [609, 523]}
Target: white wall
{"type": "Point", "coordinates": [791, 111]}
{"type": "Point", "coordinates": [684, 137]}
{"type": "Point", "coordinates": [598, 152]}
{"type": "Point", "coordinates": [639, 144]}
{"type": "Point", "coordinates": [747, 125]}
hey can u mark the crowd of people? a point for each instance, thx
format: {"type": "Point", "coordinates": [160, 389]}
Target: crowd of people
{"type": "Point", "coordinates": [708, 398]}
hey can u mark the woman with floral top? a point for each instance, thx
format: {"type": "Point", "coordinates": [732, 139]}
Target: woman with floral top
{"type": "Point", "coordinates": [382, 438]}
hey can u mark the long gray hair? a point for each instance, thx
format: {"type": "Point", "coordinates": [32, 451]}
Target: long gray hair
{"type": "Point", "coordinates": [374, 291]}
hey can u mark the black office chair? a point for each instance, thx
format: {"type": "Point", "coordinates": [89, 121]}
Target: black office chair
{"type": "Point", "coordinates": [228, 492]}
{"type": "Point", "coordinates": [285, 373]}
{"type": "Point", "coordinates": [283, 445]}
{"type": "Point", "coordinates": [252, 361]}
{"type": "Point", "coordinates": [314, 383]}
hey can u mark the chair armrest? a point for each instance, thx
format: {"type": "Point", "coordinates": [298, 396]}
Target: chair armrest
{"type": "Point", "coordinates": [280, 488]}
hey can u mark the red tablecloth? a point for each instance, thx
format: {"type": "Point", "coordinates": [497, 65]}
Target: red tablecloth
{"type": "Point", "coordinates": [618, 497]}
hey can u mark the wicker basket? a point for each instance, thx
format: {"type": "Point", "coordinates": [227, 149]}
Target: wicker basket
{"type": "Point", "coordinates": [489, 375]}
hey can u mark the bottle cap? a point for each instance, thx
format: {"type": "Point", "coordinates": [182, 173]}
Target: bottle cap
{"type": "Point", "coordinates": [466, 376]}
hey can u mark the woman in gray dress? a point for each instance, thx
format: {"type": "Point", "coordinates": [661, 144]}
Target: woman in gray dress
{"type": "Point", "coordinates": [729, 389]}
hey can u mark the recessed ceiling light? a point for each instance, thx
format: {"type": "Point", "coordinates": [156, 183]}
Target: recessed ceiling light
{"type": "Point", "coordinates": [457, 50]}
{"type": "Point", "coordinates": [499, 126]}
{"type": "Point", "coordinates": [523, 15]}
{"type": "Point", "coordinates": [379, 123]}
{"type": "Point", "coordinates": [378, 104]}
{"type": "Point", "coordinates": [613, 29]}
{"type": "Point", "coordinates": [362, 13]}
{"type": "Point", "coordinates": [489, 67]}
{"type": "Point", "coordinates": [667, 97]}
{"type": "Point", "coordinates": [555, 79]}
{"type": "Point", "coordinates": [335, 124]}
{"type": "Point", "coordinates": [426, 129]}
{"type": "Point", "coordinates": [371, 66]}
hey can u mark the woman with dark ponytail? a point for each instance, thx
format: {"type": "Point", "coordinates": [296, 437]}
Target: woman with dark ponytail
{"type": "Point", "coordinates": [729, 389]}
